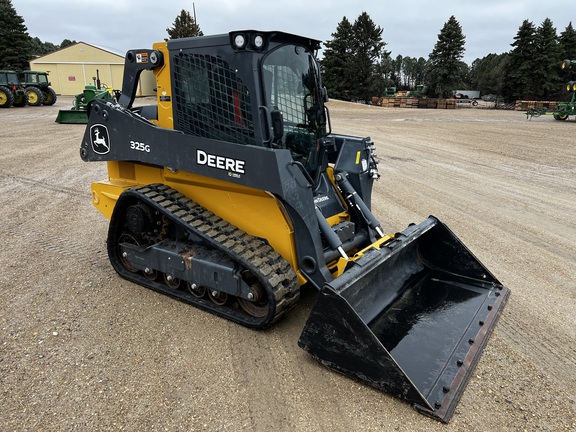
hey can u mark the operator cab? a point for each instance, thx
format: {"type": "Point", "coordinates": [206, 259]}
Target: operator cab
{"type": "Point", "coordinates": [254, 88]}
{"type": "Point", "coordinates": [295, 100]}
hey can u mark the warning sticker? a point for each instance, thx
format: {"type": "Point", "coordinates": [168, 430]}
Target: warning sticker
{"type": "Point", "coordinates": [141, 57]}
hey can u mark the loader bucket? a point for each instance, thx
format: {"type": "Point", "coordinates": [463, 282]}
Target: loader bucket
{"type": "Point", "coordinates": [72, 117]}
{"type": "Point", "coordinates": [410, 318]}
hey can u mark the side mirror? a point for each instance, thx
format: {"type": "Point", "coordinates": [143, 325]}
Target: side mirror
{"type": "Point", "coordinates": [277, 124]}
{"type": "Point", "coordinates": [324, 94]}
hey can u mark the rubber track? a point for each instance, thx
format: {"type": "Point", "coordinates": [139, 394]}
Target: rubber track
{"type": "Point", "coordinates": [273, 271]}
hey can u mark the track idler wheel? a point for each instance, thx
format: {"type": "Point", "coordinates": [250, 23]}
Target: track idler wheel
{"type": "Point", "coordinates": [171, 281]}
{"type": "Point", "coordinates": [218, 297]}
{"type": "Point", "coordinates": [127, 238]}
{"type": "Point", "coordinates": [258, 305]}
{"type": "Point", "coordinates": [196, 290]}
{"type": "Point", "coordinates": [150, 274]}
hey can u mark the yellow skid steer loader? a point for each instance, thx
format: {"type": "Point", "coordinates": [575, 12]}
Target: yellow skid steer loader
{"type": "Point", "coordinates": [231, 192]}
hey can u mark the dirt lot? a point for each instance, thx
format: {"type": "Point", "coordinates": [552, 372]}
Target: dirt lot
{"type": "Point", "coordinates": [81, 349]}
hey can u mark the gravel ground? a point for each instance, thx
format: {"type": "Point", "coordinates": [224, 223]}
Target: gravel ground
{"type": "Point", "coordinates": [82, 349]}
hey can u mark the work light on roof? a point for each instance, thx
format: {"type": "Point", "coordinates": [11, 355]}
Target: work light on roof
{"type": "Point", "coordinates": [258, 41]}
{"type": "Point", "coordinates": [240, 41]}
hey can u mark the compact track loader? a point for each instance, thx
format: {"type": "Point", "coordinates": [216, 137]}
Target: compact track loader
{"type": "Point", "coordinates": [231, 192]}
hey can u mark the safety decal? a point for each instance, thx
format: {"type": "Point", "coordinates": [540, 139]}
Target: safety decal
{"type": "Point", "coordinates": [141, 57]}
{"type": "Point", "coordinates": [100, 139]}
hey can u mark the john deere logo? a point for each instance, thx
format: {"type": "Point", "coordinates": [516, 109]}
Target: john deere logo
{"type": "Point", "coordinates": [100, 139]}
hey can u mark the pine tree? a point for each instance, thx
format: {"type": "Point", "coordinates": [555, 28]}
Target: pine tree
{"type": "Point", "coordinates": [67, 42]}
{"type": "Point", "coordinates": [413, 72]}
{"type": "Point", "coordinates": [568, 50]}
{"type": "Point", "coordinates": [368, 49]}
{"type": "Point", "coordinates": [337, 62]}
{"type": "Point", "coordinates": [408, 72]}
{"type": "Point", "coordinates": [353, 66]}
{"type": "Point", "coordinates": [445, 71]}
{"type": "Point", "coordinates": [518, 72]}
{"type": "Point", "coordinates": [184, 26]}
{"type": "Point", "coordinates": [487, 73]}
{"type": "Point", "coordinates": [40, 48]}
{"type": "Point", "coordinates": [398, 66]}
{"type": "Point", "coordinates": [547, 59]}
{"type": "Point", "coordinates": [386, 72]}
{"type": "Point", "coordinates": [568, 42]}
{"type": "Point", "coordinates": [15, 47]}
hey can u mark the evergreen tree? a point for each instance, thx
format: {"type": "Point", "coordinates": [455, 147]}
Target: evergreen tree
{"type": "Point", "coordinates": [398, 67]}
{"type": "Point", "coordinates": [520, 65]}
{"type": "Point", "coordinates": [487, 73]}
{"type": "Point", "coordinates": [568, 51]}
{"type": "Point", "coordinates": [15, 47]}
{"type": "Point", "coordinates": [368, 49]}
{"type": "Point", "coordinates": [67, 42]}
{"type": "Point", "coordinates": [386, 72]}
{"type": "Point", "coordinates": [445, 71]}
{"type": "Point", "coordinates": [184, 26]}
{"type": "Point", "coordinates": [420, 71]}
{"type": "Point", "coordinates": [547, 60]}
{"type": "Point", "coordinates": [407, 72]}
{"type": "Point", "coordinates": [568, 43]}
{"type": "Point", "coordinates": [337, 62]}
{"type": "Point", "coordinates": [40, 48]}
{"type": "Point", "coordinates": [353, 66]}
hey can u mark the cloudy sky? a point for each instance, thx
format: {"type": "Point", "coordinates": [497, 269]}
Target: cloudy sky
{"type": "Point", "coordinates": [411, 27]}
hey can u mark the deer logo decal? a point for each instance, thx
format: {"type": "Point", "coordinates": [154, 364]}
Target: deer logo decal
{"type": "Point", "coordinates": [100, 139]}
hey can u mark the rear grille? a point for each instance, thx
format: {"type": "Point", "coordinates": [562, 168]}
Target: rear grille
{"type": "Point", "coordinates": [211, 101]}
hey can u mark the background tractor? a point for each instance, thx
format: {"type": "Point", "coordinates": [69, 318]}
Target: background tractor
{"type": "Point", "coordinates": [37, 88]}
{"type": "Point", "coordinates": [11, 93]}
{"type": "Point", "coordinates": [79, 111]}
{"type": "Point", "coordinates": [563, 109]}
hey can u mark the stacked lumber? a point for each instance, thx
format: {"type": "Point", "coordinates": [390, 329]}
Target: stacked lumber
{"type": "Point", "coordinates": [414, 102]}
{"type": "Point", "coordinates": [399, 102]}
{"type": "Point", "coordinates": [522, 105]}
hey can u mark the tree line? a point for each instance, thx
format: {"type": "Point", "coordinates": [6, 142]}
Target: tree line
{"type": "Point", "coordinates": [17, 47]}
{"type": "Point", "coordinates": [356, 65]}
{"type": "Point", "coordinates": [531, 70]}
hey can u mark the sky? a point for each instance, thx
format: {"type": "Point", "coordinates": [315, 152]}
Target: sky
{"type": "Point", "coordinates": [410, 27]}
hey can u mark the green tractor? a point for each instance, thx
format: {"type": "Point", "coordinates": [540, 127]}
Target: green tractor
{"type": "Point", "coordinates": [79, 111]}
{"type": "Point", "coordinates": [563, 109]}
{"type": "Point", "coordinates": [390, 92]}
{"type": "Point", "coordinates": [37, 88]}
{"type": "Point", "coordinates": [420, 91]}
{"type": "Point", "coordinates": [566, 109]}
{"type": "Point", "coordinates": [11, 93]}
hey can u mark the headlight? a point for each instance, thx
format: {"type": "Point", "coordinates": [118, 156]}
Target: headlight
{"type": "Point", "coordinates": [258, 41]}
{"type": "Point", "coordinates": [240, 41]}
